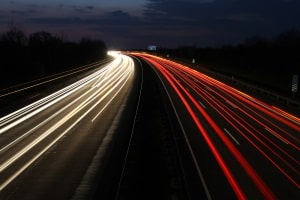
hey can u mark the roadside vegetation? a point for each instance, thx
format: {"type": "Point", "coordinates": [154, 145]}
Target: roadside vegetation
{"type": "Point", "coordinates": [24, 58]}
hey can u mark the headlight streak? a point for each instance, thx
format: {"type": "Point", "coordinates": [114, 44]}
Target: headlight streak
{"type": "Point", "coordinates": [114, 78]}
{"type": "Point", "coordinates": [56, 114]}
{"type": "Point", "coordinates": [53, 77]}
{"type": "Point", "coordinates": [22, 114]}
{"type": "Point", "coordinates": [67, 91]}
{"type": "Point", "coordinates": [127, 76]}
{"type": "Point", "coordinates": [177, 75]}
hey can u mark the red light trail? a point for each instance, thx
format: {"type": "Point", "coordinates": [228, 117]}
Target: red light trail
{"type": "Point", "coordinates": [272, 132]}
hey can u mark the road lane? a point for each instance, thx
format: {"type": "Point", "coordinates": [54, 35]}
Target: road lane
{"type": "Point", "coordinates": [85, 110]}
{"type": "Point", "coordinates": [255, 145]}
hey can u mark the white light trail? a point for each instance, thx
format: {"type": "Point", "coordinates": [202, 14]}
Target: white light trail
{"type": "Point", "coordinates": [106, 83]}
{"type": "Point", "coordinates": [17, 117]}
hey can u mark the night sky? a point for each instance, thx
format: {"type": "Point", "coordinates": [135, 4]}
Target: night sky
{"type": "Point", "coordinates": [165, 23]}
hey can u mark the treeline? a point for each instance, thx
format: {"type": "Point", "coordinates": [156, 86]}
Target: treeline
{"type": "Point", "coordinates": [267, 62]}
{"type": "Point", "coordinates": [24, 58]}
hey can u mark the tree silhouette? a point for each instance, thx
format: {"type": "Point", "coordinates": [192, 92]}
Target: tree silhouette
{"type": "Point", "coordinates": [14, 37]}
{"type": "Point", "coordinates": [42, 54]}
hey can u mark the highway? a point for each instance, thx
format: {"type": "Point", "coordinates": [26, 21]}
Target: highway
{"type": "Point", "coordinates": [242, 148]}
{"type": "Point", "coordinates": [49, 149]}
{"type": "Point", "coordinates": [144, 127]}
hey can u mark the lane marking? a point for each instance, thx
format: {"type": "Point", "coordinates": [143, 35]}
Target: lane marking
{"type": "Point", "coordinates": [233, 138]}
{"type": "Point", "coordinates": [202, 104]}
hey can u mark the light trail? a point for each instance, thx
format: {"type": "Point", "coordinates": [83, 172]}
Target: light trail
{"type": "Point", "coordinates": [51, 78]}
{"type": "Point", "coordinates": [19, 116]}
{"type": "Point", "coordinates": [248, 116]}
{"type": "Point", "coordinates": [227, 172]}
{"type": "Point", "coordinates": [91, 93]}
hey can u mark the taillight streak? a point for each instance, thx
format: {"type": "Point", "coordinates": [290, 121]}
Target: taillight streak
{"type": "Point", "coordinates": [265, 108]}
{"type": "Point", "coordinates": [242, 161]}
{"type": "Point", "coordinates": [236, 97]}
{"type": "Point", "coordinates": [191, 84]}
{"type": "Point", "coordinates": [228, 174]}
{"type": "Point", "coordinates": [220, 109]}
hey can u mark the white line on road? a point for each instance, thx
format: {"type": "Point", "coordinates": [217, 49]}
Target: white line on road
{"type": "Point", "coordinates": [202, 104]}
{"type": "Point", "coordinates": [233, 138]}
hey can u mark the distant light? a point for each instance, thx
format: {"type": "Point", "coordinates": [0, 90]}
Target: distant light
{"type": "Point", "coordinates": [152, 48]}
{"type": "Point", "coordinates": [114, 53]}
{"type": "Point", "coordinates": [295, 83]}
